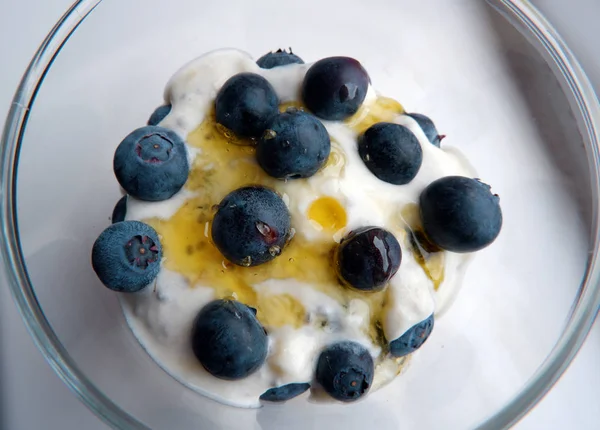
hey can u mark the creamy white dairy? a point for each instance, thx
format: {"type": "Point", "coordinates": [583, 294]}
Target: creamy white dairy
{"type": "Point", "coordinates": [161, 316]}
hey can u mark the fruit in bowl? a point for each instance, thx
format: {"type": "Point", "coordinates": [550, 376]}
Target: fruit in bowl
{"type": "Point", "coordinates": [287, 230]}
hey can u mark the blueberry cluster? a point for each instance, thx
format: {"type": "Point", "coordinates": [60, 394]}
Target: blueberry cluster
{"type": "Point", "coordinates": [252, 224]}
{"type": "Point", "coordinates": [289, 145]}
{"type": "Point", "coordinates": [150, 164]}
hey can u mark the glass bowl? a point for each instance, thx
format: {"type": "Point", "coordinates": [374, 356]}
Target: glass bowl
{"type": "Point", "coordinates": [496, 77]}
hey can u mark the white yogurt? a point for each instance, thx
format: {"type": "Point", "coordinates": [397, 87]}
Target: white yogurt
{"type": "Point", "coordinates": [162, 315]}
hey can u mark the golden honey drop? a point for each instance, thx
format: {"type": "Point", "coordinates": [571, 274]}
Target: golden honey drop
{"type": "Point", "coordinates": [328, 213]}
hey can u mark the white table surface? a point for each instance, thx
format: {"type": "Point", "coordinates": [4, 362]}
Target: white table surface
{"type": "Point", "coordinates": [32, 396]}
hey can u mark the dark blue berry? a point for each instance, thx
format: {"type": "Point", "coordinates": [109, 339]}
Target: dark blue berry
{"type": "Point", "coordinates": [413, 339]}
{"type": "Point", "coordinates": [284, 393]}
{"type": "Point", "coordinates": [391, 152]}
{"type": "Point", "coordinates": [159, 114]}
{"type": "Point", "coordinates": [428, 128]}
{"type": "Point", "coordinates": [367, 258]}
{"type": "Point", "coordinates": [296, 145]}
{"type": "Point", "coordinates": [278, 58]}
{"type": "Point", "coordinates": [120, 210]}
{"type": "Point", "coordinates": [126, 256]}
{"type": "Point", "coordinates": [151, 163]}
{"type": "Point", "coordinates": [345, 371]}
{"type": "Point", "coordinates": [228, 340]}
{"type": "Point", "coordinates": [460, 214]}
{"type": "Point", "coordinates": [334, 88]}
{"type": "Point", "coordinates": [251, 226]}
{"type": "Point", "coordinates": [245, 104]}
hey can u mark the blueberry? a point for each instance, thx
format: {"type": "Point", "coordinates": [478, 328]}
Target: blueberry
{"type": "Point", "coordinates": [391, 152]}
{"type": "Point", "coordinates": [284, 393]}
{"type": "Point", "coordinates": [251, 226]}
{"type": "Point", "coordinates": [367, 258]}
{"type": "Point", "coordinates": [245, 104]}
{"type": "Point", "coordinates": [335, 87]}
{"type": "Point", "coordinates": [460, 214]}
{"type": "Point", "coordinates": [159, 114]}
{"type": "Point", "coordinates": [428, 128]}
{"type": "Point", "coordinates": [413, 339]}
{"type": "Point", "coordinates": [126, 256]}
{"type": "Point", "coordinates": [278, 58]}
{"type": "Point", "coordinates": [151, 163]}
{"type": "Point", "coordinates": [345, 371]}
{"type": "Point", "coordinates": [120, 210]}
{"type": "Point", "coordinates": [228, 340]}
{"type": "Point", "coordinates": [296, 145]}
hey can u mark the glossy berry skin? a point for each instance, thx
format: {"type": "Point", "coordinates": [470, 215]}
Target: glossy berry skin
{"type": "Point", "coordinates": [228, 340]}
{"type": "Point", "coordinates": [120, 210]}
{"type": "Point", "coordinates": [391, 152]}
{"type": "Point", "coordinates": [245, 104]}
{"type": "Point", "coordinates": [413, 339]}
{"type": "Point", "coordinates": [126, 256]}
{"type": "Point", "coordinates": [284, 393]}
{"type": "Point", "coordinates": [251, 226]}
{"type": "Point", "coordinates": [334, 88]}
{"type": "Point", "coordinates": [368, 258]}
{"type": "Point", "coordinates": [151, 163]}
{"type": "Point", "coordinates": [296, 145]}
{"type": "Point", "coordinates": [159, 114]}
{"type": "Point", "coordinates": [460, 214]}
{"type": "Point", "coordinates": [428, 128]}
{"type": "Point", "coordinates": [278, 58]}
{"type": "Point", "coordinates": [345, 371]}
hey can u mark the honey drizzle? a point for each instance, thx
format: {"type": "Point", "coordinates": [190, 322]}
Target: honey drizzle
{"type": "Point", "coordinates": [431, 259]}
{"type": "Point", "coordinates": [384, 109]}
{"type": "Point", "coordinates": [224, 163]}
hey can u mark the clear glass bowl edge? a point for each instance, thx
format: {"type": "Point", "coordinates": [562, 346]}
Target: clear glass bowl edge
{"type": "Point", "coordinates": [573, 336]}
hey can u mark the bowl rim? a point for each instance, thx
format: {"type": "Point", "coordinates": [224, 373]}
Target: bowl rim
{"type": "Point", "coordinates": [580, 319]}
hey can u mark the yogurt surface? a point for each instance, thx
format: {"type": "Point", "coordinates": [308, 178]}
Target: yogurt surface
{"type": "Point", "coordinates": [297, 295]}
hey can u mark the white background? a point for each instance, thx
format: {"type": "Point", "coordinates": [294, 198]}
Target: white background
{"type": "Point", "coordinates": [32, 396]}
